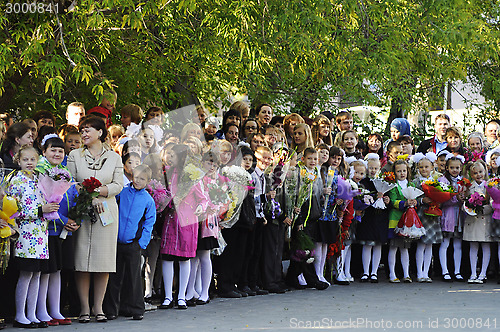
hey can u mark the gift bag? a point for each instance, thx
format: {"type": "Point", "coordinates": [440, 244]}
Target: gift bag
{"type": "Point", "coordinates": [409, 225]}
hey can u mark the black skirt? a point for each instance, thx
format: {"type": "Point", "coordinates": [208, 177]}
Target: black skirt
{"type": "Point", "coordinates": [55, 254]}
{"type": "Point", "coordinates": [32, 264]}
{"type": "Point", "coordinates": [207, 243]}
{"type": "Point", "coordinates": [173, 258]}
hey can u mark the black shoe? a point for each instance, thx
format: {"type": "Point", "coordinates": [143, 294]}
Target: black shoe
{"type": "Point", "coordinates": [242, 293]}
{"type": "Point", "coordinates": [275, 290]}
{"type": "Point", "coordinates": [181, 304]}
{"type": "Point", "coordinates": [85, 318]}
{"type": "Point", "coordinates": [321, 285]}
{"type": "Point", "coordinates": [297, 286]}
{"type": "Point", "coordinates": [137, 317]}
{"type": "Point", "coordinates": [101, 318]}
{"type": "Point", "coordinates": [42, 325]}
{"type": "Point", "coordinates": [111, 317]}
{"type": "Point", "coordinates": [230, 295]}
{"type": "Point", "coordinates": [191, 302]}
{"type": "Point", "coordinates": [247, 290]}
{"type": "Point", "coordinates": [284, 286]}
{"type": "Point", "coordinates": [169, 305]}
{"type": "Point", "coordinates": [31, 325]}
{"type": "Point", "coordinates": [201, 302]}
{"type": "Point", "coordinates": [341, 282]}
{"type": "Point", "coordinates": [259, 291]}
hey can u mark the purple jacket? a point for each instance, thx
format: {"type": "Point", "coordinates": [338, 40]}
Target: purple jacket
{"type": "Point", "coordinates": [452, 215]}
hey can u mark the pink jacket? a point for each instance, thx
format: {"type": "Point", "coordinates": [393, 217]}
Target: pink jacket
{"type": "Point", "coordinates": [180, 229]}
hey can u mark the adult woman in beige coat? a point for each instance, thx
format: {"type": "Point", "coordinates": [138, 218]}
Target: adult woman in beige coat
{"type": "Point", "coordinates": [95, 244]}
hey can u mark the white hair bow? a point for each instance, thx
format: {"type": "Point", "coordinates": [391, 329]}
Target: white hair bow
{"type": "Point", "coordinates": [459, 157]}
{"type": "Point", "coordinates": [47, 137]}
{"type": "Point", "coordinates": [490, 153]}
{"type": "Point", "coordinates": [351, 159]}
{"type": "Point", "coordinates": [431, 156]}
{"type": "Point", "coordinates": [372, 155]}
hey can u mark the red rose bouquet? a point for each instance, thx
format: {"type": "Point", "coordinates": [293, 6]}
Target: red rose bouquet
{"type": "Point", "coordinates": [83, 202]}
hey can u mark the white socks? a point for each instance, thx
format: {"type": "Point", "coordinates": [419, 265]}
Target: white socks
{"type": "Point", "coordinates": [168, 278]}
{"type": "Point", "coordinates": [206, 273]}
{"type": "Point", "coordinates": [423, 259]}
{"type": "Point", "coordinates": [376, 256]}
{"type": "Point", "coordinates": [391, 259]}
{"type": "Point", "coordinates": [320, 251]}
{"type": "Point", "coordinates": [347, 262]}
{"type": "Point", "coordinates": [457, 254]}
{"type": "Point", "coordinates": [26, 296]}
{"type": "Point", "coordinates": [184, 269]}
{"type": "Point", "coordinates": [41, 305]}
{"type": "Point", "coordinates": [366, 257]}
{"type": "Point", "coordinates": [405, 261]}
{"type": "Point", "coordinates": [167, 268]}
{"type": "Point", "coordinates": [474, 248]}
{"type": "Point", "coordinates": [54, 295]}
{"type": "Point", "coordinates": [190, 293]}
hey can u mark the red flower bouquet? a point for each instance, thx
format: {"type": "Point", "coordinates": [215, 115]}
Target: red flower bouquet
{"type": "Point", "coordinates": [439, 193]}
{"type": "Point", "coordinates": [83, 202]}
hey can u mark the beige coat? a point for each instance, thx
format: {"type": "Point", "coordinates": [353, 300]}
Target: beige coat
{"type": "Point", "coordinates": [95, 245]}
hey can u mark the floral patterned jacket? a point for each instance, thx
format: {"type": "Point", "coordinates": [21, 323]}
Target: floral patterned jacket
{"type": "Point", "coordinates": [33, 237]}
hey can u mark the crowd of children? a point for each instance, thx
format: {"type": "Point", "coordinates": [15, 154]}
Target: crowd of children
{"type": "Point", "coordinates": [231, 203]}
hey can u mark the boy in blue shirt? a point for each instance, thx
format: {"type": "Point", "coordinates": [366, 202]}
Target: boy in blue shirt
{"type": "Point", "coordinates": [137, 215]}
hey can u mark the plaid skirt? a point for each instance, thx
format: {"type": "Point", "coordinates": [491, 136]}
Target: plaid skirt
{"type": "Point", "coordinates": [432, 228]}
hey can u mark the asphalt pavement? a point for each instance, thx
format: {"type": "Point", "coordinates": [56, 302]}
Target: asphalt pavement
{"type": "Point", "coordinates": [437, 306]}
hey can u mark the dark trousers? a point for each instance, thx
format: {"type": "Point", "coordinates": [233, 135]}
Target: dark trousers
{"type": "Point", "coordinates": [232, 259]}
{"type": "Point", "coordinates": [254, 248]}
{"type": "Point", "coordinates": [128, 263]}
{"type": "Point", "coordinates": [273, 239]}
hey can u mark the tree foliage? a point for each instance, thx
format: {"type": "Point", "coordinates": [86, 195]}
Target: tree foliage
{"type": "Point", "coordinates": [300, 53]}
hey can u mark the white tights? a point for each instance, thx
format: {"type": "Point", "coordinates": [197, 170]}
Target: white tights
{"type": "Point", "coordinates": [41, 304]}
{"type": "Point", "coordinates": [201, 263]}
{"type": "Point", "coordinates": [457, 254]}
{"type": "Point", "coordinates": [375, 258]}
{"type": "Point", "coordinates": [423, 259]}
{"type": "Point", "coordinates": [168, 278]}
{"type": "Point", "coordinates": [344, 263]}
{"type": "Point", "coordinates": [405, 261]}
{"type": "Point", "coordinates": [474, 248]}
{"type": "Point", "coordinates": [320, 251]}
{"type": "Point", "coordinates": [26, 297]}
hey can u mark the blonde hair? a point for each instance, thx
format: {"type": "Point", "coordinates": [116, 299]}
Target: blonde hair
{"type": "Point", "coordinates": [308, 142]}
{"type": "Point", "coordinates": [143, 169]}
{"type": "Point", "coordinates": [188, 127]}
{"type": "Point", "coordinates": [319, 120]}
{"type": "Point", "coordinates": [25, 148]}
